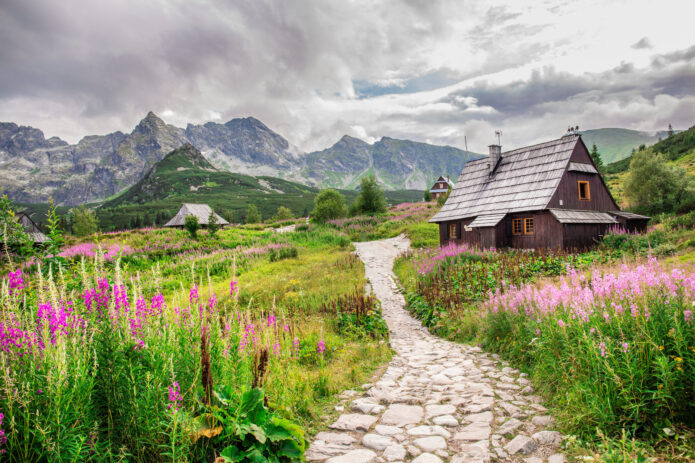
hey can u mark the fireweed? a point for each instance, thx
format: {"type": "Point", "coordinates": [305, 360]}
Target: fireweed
{"type": "Point", "coordinates": [616, 350]}
{"type": "Point", "coordinates": [101, 356]}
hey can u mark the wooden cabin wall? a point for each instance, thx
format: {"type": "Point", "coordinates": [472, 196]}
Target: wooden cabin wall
{"type": "Point", "coordinates": [472, 238]}
{"type": "Point", "coordinates": [582, 236]}
{"type": "Point", "coordinates": [548, 232]}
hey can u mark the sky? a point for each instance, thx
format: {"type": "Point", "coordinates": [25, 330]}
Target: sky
{"type": "Point", "coordinates": [424, 70]}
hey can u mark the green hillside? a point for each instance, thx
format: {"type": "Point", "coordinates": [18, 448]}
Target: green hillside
{"type": "Point", "coordinates": [184, 175]}
{"type": "Point", "coordinates": [615, 144]}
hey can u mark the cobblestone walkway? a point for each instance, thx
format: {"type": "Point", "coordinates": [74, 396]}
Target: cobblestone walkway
{"type": "Point", "coordinates": [437, 401]}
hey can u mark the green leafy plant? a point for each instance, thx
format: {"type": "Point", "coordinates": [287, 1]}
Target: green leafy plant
{"type": "Point", "coordinates": [250, 432]}
{"type": "Point", "coordinates": [213, 224]}
{"type": "Point", "coordinates": [275, 255]}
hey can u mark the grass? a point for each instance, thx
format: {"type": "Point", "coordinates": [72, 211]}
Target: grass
{"type": "Point", "coordinates": [97, 346]}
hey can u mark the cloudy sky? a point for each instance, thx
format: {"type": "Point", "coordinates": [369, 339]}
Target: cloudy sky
{"type": "Point", "coordinates": [425, 70]}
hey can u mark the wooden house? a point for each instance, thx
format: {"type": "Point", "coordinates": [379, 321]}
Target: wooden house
{"type": "Point", "coordinates": [201, 211]}
{"type": "Point", "coordinates": [548, 195]}
{"type": "Point", "coordinates": [36, 235]}
{"type": "Point", "coordinates": [440, 187]}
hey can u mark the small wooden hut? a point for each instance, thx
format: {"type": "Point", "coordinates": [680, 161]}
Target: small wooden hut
{"type": "Point", "coordinates": [548, 195]}
{"type": "Point", "coordinates": [37, 236]}
{"type": "Point", "coordinates": [200, 211]}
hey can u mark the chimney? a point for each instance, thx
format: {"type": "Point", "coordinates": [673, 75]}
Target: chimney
{"type": "Point", "coordinates": [494, 157]}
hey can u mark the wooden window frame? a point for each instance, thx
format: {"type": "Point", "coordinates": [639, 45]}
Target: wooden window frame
{"type": "Point", "coordinates": [588, 190]}
{"type": "Point", "coordinates": [529, 220]}
{"type": "Point", "coordinates": [520, 222]}
{"type": "Point", "coordinates": [453, 236]}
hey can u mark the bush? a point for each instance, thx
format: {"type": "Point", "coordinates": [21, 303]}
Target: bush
{"type": "Point", "coordinates": [84, 221]}
{"type": "Point", "coordinates": [283, 213]}
{"type": "Point", "coordinates": [371, 199]}
{"type": "Point", "coordinates": [213, 225]}
{"type": "Point", "coordinates": [191, 225]}
{"type": "Point", "coordinates": [328, 205]}
{"type": "Point", "coordinates": [252, 214]}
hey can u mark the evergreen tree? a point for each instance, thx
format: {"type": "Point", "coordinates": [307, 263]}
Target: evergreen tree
{"type": "Point", "coordinates": [12, 232]}
{"type": "Point", "coordinates": [306, 212]}
{"type": "Point", "coordinates": [213, 223]}
{"type": "Point", "coordinates": [252, 214]}
{"type": "Point", "coordinates": [670, 130]}
{"type": "Point", "coordinates": [191, 225]}
{"type": "Point", "coordinates": [596, 158]}
{"type": "Point", "coordinates": [428, 195]}
{"type": "Point", "coordinates": [442, 199]}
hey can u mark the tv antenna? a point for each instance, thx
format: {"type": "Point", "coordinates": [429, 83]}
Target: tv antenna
{"type": "Point", "coordinates": [499, 137]}
{"type": "Point", "coordinates": [465, 141]}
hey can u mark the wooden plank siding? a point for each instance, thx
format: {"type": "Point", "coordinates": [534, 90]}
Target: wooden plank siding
{"type": "Point", "coordinates": [581, 236]}
{"type": "Point", "coordinates": [547, 234]}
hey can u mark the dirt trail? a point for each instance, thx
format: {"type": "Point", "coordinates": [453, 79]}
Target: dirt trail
{"type": "Point", "coordinates": [437, 401]}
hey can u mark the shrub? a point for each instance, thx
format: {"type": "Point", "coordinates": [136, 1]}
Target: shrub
{"type": "Point", "coordinates": [84, 221]}
{"type": "Point", "coordinates": [252, 214]}
{"type": "Point", "coordinates": [283, 213]}
{"type": "Point", "coordinates": [328, 205]}
{"type": "Point", "coordinates": [191, 225]}
{"type": "Point", "coordinates": [370, 200]}
{"type": "Point", "coordinates": [213, 225]}
{"type": "Point", "coordinates": [275, 255]}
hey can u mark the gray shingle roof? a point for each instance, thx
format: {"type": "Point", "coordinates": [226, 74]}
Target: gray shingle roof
{"type": "Point", "coordinates": [574, 216]}
{"type": "Point", "coordinates": [486, 220]}
{"type": "Point", "coordinates": [201, 211]}
{"type": "Point", "coordinates": [524, 180]}
{"type": "Point", "coordinates": [628, 215]}
{"type": "Point", "coordinates": [582, 167]}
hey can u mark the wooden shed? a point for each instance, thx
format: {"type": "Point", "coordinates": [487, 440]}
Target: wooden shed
{"type": "Point", "coordinates": [201, 211]}
{"type": "Point", "coordinates": [37, 236]}
{"type": "Point", "coordinates": [548, 195]}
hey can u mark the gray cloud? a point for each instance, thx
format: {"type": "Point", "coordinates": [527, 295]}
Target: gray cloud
{"type": "Point", "coordinates": [312, 69]}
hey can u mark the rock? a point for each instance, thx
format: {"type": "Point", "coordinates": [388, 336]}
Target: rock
{"type": "Point", "coordinates": [387, 430]}
{"type": "Point", "coordinates": [429, 431]}
{"type": "Point", "coordinates": [441, 379]}
{"type": "Point", "coordinates": [401, 415]}
{"type": "Point", "coordinates": [521, 444]}
{"type": "Point", "coordinates": [509, 408]}
{"type": "Point", "coordinates": [544, 420]}
{"type": "Point", "coordinates": [430, 443]}
{"type": "Point", "coordinates": [355, 456]}
{"type": "Point", "coordinates": [474, 432]}
{"type": "Point", "coordinates": [354, 422]}
{"type": "Point", "coordinates": [484, 417]}
{"type": "Point", "coordinates": [394, 452]}
{"type": "Point", "coordinates": [445, 420]}
{"type": "Point", "coordinates": [510, 426]}
{"type": "Point", "coordinates": [363, 405]}
{"type": "Point", "coordinates": [472, 453]}
{"type": "Point", "coordinates": [547, 437]}
{"type": "Point", "coordinates": [376, 441]}
{"type": "Point", "coordinates": [414, 451]}
{"type": "Point", "coordinates": [427, 458]}
{"type": "Point", "coordinates": [533, 460]}
{"type": "Point", "coordinates": [556, 458]}
{"type": "Point", "coordinates": [335, 438]}
{"type": "Point", "coordinates": [528, 390]}
{"type": "Point", "coordinates": [438, 410]}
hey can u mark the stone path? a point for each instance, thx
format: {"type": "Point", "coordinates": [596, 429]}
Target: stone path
{"type": "Point", "coordinates": [437, 401]}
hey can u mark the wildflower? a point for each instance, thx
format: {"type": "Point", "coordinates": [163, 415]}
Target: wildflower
{"type": "Point", "coordinates": [212, 302]}
{"type": "Point", "coordinates": [175, 397]}
{"type": "Point", "coordinates": [286, 328]}
{"type": "Point", "coordinates": [687, 315]}
{"type": "Point", "coordinates": [193, 294]}
{"type": "Point", "coordinates": [233, 288]}
{"type": "Point", "coordinates": [625, 347]}
{"type": "Point", "coordinates": [271, 320]}
{"type": "Point", "coordinates": [16, 281]}
{"type": "Point", "coordinates": [661, 347]}
{"type": "Point", "coordinates": [3, 438]}
{"type": "Point", "coordinates": [602, 346]}
{"type": "Point", "coordinates": [276, 349]}
{"type": "Point", "coordinates": [321, 348]}
{"type": "Point", "coordinates": [295, 347]}
{"type": "Point", "coordinates": [560, 323]}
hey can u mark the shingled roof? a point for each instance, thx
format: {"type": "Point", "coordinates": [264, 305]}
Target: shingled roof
{"type": "Point", "coordinates": [525, 180]}
{"type": "Point", "coordinates": [201, 211]}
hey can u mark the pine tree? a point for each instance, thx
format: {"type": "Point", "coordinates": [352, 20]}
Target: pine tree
{"type": "Point", "coordinates": [596, 157]}
{"type": "Point", "coordinates": [670, 130]}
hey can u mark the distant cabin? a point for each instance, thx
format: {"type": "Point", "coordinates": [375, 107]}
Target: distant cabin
{"type": "Point", "coordinates": [548, 195]}
{"type": "Point", "coordinates": [201, 211]}
{"type": "Point", "coordinates": [440, 187]}
{"type": "Point", "coordinates": [31, 229]}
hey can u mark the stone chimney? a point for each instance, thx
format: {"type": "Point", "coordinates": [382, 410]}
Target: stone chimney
{"type": "Point", "coordinates": [494, 157]}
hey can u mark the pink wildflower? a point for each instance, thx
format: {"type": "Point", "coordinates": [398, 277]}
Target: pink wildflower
{"type": "Point", "coordinates": [321, 348]}
{"type": "Point", "coordinates": [175, 397]}
{"type": "Point", "coordinates": [687, 315]}
{"type": "Point", "coordinates": [16, 281]}
{"type": "Point", "coordinates": [625, 347]}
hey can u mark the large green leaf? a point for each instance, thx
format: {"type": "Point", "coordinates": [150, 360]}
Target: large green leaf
{"type": "Point", "coordinates": [252, 406]}
{"type": "Point", "coordinates": [258, 433]}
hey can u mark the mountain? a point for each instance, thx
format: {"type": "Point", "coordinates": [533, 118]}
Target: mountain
{"type": "Point", "coordinates": [616, 144]}
{"type": "Point", "coordinates": [34, 169]}
{"type": "Point", "coordinates": [397, 164]}
{"type": "Point", "coordinates": [185, 175]}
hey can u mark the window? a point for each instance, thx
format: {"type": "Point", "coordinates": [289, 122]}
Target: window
{"type": "Point", "coordinates": [516, 227]}
{"type": "Point", "coordinates": [452, 231]}
{"type": "Point", "coordinates": [584, 193]}
{"type": "Point", "coordinates": [528, 226]}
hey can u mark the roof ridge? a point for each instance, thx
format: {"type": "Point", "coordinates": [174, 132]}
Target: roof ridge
{"type": "Point", "coordinates": [540, 145]}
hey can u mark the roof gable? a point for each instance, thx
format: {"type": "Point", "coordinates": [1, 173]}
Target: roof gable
{"type": "Point", "coordinates": [525, 179]}
{"type": "Point", "coordinates": [201, 211]}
